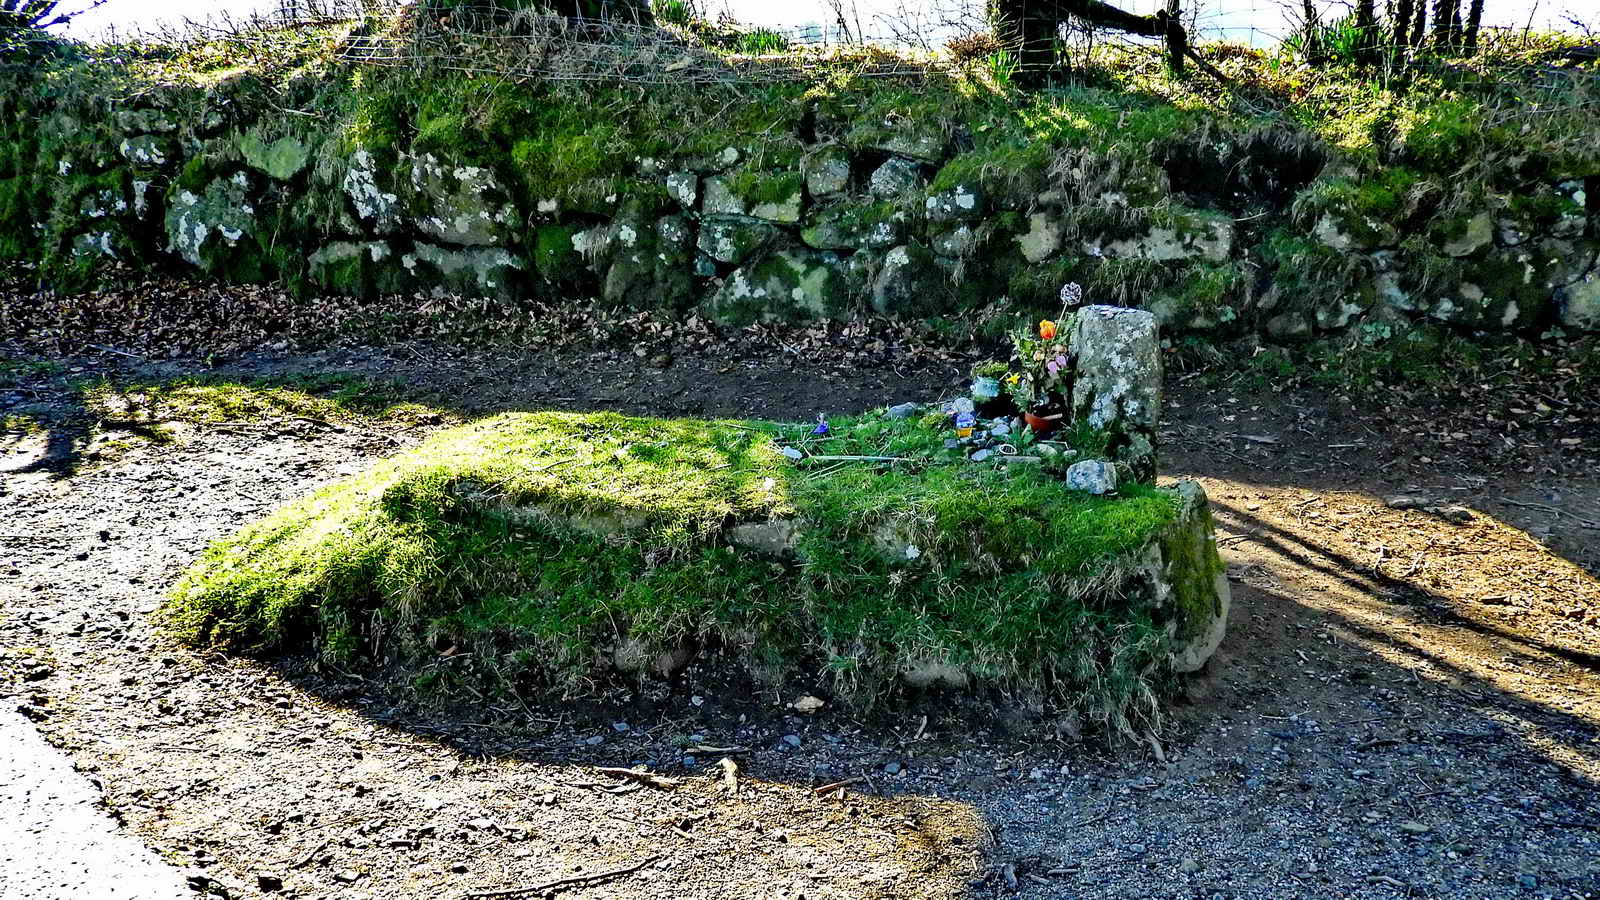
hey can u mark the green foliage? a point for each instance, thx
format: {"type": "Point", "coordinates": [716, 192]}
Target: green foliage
{"type": "Point", "coordinates": [539, 541]}
{"type": "Point", "coordinates": [1443, 135]}
{"type": "Point", "coordinates": [673, 12]}
{"type": "Point", "coordinates": [1003, 66]}
{"type": "Point", "coordinates": [762, 42]}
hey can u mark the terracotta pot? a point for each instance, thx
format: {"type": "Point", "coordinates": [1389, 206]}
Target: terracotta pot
{"type": "Point", "coordinates": [1041, 425]}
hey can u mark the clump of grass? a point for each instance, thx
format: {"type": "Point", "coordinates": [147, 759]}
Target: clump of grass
{"type": "Point", "coordinates": [20, 425]}
{"type": "Point", "coordinates": [209, 400]}
{"type": "Point", "coordinates": [16, 371]}
{"type": "Point", "coordinates": [543, 543]}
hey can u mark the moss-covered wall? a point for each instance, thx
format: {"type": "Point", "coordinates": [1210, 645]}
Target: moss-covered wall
{"type": "Point", "coordinates": [794, 201]}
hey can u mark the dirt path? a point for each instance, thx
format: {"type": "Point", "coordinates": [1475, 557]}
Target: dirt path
{"type": "Point", "coordinates": [1404, 707]}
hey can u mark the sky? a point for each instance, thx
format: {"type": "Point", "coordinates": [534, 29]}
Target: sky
{"type": "Point", "coordinates": [1234, 18]}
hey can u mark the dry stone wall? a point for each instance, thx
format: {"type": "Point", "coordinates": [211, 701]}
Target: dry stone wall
{"type": "Point", "coordinates": [864, 223]}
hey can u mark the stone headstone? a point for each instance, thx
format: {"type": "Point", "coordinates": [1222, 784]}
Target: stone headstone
{"type": "Point", "coordinates": [1117, 389]}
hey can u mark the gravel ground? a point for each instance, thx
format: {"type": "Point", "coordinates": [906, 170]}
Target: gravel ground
{"type": "Point", "coordinates": [1404, 707]}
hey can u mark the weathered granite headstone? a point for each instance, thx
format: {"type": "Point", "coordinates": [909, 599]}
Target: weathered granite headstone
{"type": "Point", "coordinates": [1118, 385]}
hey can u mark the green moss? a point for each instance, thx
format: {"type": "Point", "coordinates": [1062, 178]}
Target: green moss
{"type": "Point", "coordinates": [539, 541]}
{"type": "Point", "coordinates": [1200, 296]}
{"type": "Point", "coordinates": [1441, 136]}
{"type": "Point", "coordinates": [19, 424]}
{"type": "Point", "coordinates": [1382, 196]}
{"type": "Point", "coordinates": [756, 188]}
{"type": "Point", "coordinates": [1192, 559]}
{"type": "Point", "coordinates": [554, 255]}
{"type": "Point", "coordinates": [1013, 173]}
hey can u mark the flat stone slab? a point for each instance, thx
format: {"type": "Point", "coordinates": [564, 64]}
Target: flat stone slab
{"type": "Point", "coordinates": [56, 842]}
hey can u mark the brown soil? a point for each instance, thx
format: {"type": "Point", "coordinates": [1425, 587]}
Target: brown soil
{"type": "Point", "coordinates": [1404, 706]}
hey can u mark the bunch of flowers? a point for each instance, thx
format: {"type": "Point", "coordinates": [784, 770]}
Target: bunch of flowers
{"type": "Point", "coordinates": [1041, 361]}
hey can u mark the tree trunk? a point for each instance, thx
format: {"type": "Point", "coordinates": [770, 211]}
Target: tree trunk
{"type": "Point", "coordinates": [1445, 13]}
{"type": "Point", "coordinates": [1308, 14]}
{"type": "Point", "coordinates": [1367, 26]}
{"type": "Point", "coordinates": [1419, 25]}
{"type": "Point", "coordinates": [1029, 27]}
{"type": "Point", "coordinates": [1469, 41]}
{"type": "Point", "coordinates": [1400, 14]}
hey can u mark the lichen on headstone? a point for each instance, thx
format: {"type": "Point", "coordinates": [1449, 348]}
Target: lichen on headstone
{"type": "Point", "coordinates": [1117, 384]}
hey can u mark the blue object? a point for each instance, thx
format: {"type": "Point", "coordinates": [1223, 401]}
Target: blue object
{"type": "Point", "coordinates": [822, 428]}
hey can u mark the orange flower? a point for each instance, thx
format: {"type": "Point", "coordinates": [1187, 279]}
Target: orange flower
{"type": "Point", "coordinates": [1047, 330]}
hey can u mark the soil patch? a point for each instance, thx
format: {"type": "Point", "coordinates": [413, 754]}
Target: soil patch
{"type": "Point", "coordinates": [1404, 706]}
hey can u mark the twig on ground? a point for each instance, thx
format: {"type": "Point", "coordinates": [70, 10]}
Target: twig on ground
{"type": "Point", "coordinates": [704, 748]}
{"type": "Point", "coordinates": [564, 882]}
{"type": "Point", "coordinates": [837, 785]}
{"type": "Point", "coordinates": [856, 459]}
{"type": "Point", "coordinates": [1539, 506]}
{"type": "Point", "coordinates": [116, 351]}
{"type": "Point", "coordinates": [655, 781]}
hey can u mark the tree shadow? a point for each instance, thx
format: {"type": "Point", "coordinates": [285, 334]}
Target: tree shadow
{"type": "Point", "coordinates": [1385, 693]}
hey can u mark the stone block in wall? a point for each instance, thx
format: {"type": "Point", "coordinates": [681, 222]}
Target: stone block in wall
{"type": "Point", "coordinates": [787, 286]}
{"type": "Point", "coordinates": [736, 239]}
{"type": "Point", "coordinates": [145, 121]}
{"type": "Point", "coordinates": [914, 139]}
{"type": "Point", "coordinates": [1579, 302]}
{"type": "Point", "coordinates": [1289, 326]}
{"type": "Point", "coordinates": [652, 266]}
{"type": "Point", "coordinates": [474, 271]}
{"type": "Point", "coordinates": [720, 199]}
{"type": "Point", "coordinates": [684, 187]}
{"type": "Point", "coordinates": [896, 178]}
{"type": "Point", "coordinates": [827, 171]}
{"type": "Point", "coordinates": [147, 151]}
{"type": "Point", "coordinates": [1572, 218]}
{"type": "Point", "coordinates": [772, 196]}
{"type": "Point", "coordinates": [376, 205]}
{"type": "Point", "coordinates": [462, 205]}
{"type": "Point", "coordinates": [956, 243]}
{"type": "Point", "coordinates": [207, 229]}
{"type": "Point", "coordinates": [1043, 238]}
{"type": "Point", "coordinates": [283, 158]}
{"type": "Point", "coordinates": [910, 282]}
{"type": "Point", "coordinates": [962, 203]}
{"type": "Point", "coordinates": [1192, 235]}
{"type": "Point", "coordinates": [856, 225]}
{"type": "Point", "coordinates": [1468, 235]}
{"type": "Point", "coordinates": [358, 268]}
{"type": "Point", "coordinates": [1348, 231]}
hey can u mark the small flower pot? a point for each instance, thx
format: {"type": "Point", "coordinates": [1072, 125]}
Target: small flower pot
{"type": "Point", "coordinates": [1041, 425]}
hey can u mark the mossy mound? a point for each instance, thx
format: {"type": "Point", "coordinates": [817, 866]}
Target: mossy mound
{"type": "Point", "coordinates": [548, 549]}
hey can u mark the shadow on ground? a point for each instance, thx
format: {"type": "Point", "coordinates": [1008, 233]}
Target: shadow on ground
{"type": "Point", "coordinates": [1375, 726]}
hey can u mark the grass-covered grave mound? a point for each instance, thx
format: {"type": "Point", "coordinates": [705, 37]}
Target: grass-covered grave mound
{"type": "Point", "coordinates": [550, 551]}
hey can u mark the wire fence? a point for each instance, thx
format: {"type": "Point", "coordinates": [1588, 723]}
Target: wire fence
{"type": "Point", "coordinates": [934, 37]}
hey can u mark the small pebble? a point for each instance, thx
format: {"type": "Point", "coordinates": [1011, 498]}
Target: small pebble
{"type": "Point", "coordinates": [904, 410]}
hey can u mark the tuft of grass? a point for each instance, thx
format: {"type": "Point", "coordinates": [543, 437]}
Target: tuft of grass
{"type": "Point", "coordinates": [20, 424]}
{"type": "Point", "coordinates": [543, 543]}
{"type": "Point", "coordinates": [209, 400]}
{"type": "Point", "coordinates": [16, 371]}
